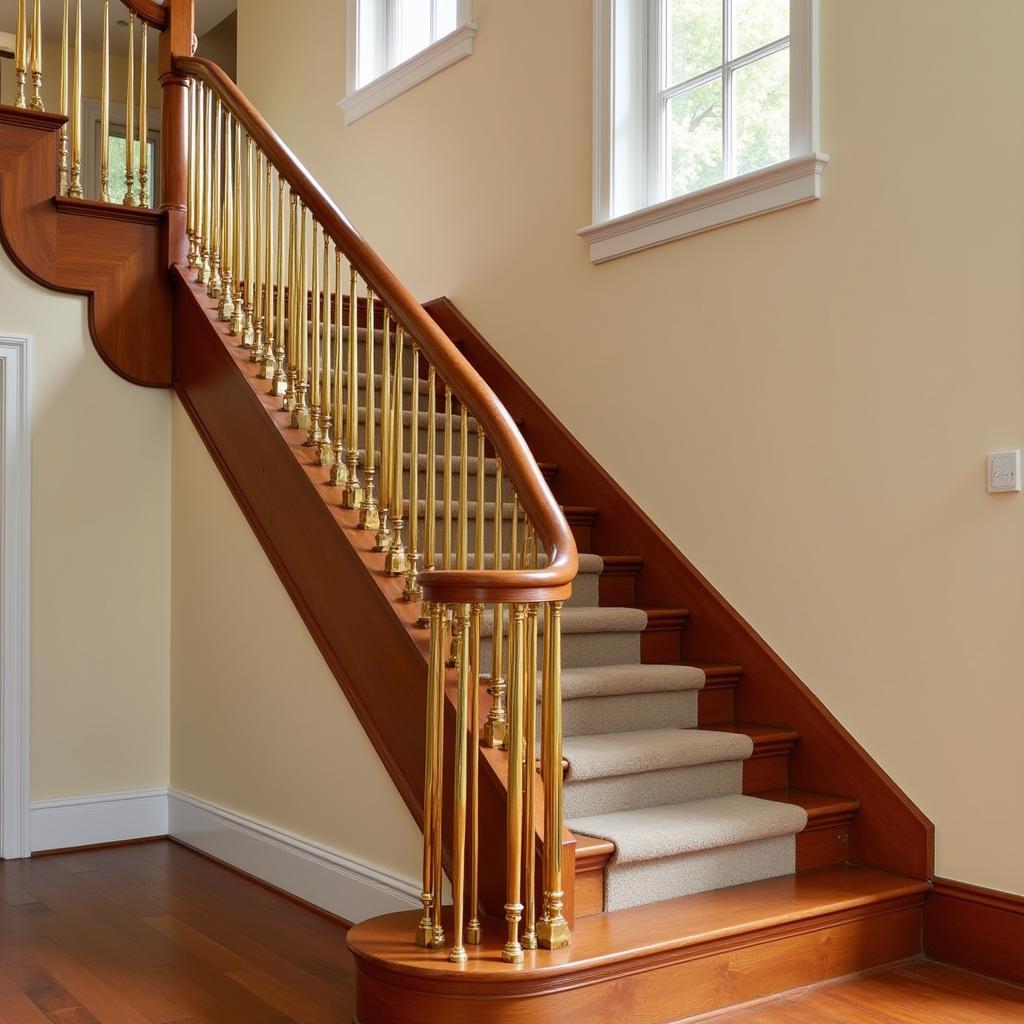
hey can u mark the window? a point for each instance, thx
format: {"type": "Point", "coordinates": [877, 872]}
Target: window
{"type": "Point", "coordinates": [705, 113]}
{"type": "Point", "coordinates": [394, 45]}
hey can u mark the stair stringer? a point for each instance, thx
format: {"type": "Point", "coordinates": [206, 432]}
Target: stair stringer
{"type": "Point", "coordinates": [367, 634]}
{"type": "Point", "coordinates": [889, 831]}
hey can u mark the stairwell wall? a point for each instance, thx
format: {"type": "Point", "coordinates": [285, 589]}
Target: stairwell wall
{"type": "Point", "coordinates": [100, 560]}
{"type": "Point", "coordinates": [804, 401]}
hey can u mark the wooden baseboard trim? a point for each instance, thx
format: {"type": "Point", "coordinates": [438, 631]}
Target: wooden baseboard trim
{"type": "Point", "coordinates": [980, 929]}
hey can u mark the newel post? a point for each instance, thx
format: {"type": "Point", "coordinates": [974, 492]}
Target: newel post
{"type": "Point", "coordinates": [177, 40]}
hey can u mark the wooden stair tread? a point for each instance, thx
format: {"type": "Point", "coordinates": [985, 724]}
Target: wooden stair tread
{"type": "Point", "coordinates": [768, 739]}
{"type": "Point", "coordinates": [657, 931]}
{"type": "Point", "coordinates": [718, 674]}
{"type": "Point", "coordinates": [666, 615]}
{"type": "Point", "coordinates": [818, 806]}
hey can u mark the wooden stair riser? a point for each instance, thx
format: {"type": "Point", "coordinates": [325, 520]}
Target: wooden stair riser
{"type": "Point", "coordinates": [662, 640]}
{"type": "Point", "coordinates": [618, 585]}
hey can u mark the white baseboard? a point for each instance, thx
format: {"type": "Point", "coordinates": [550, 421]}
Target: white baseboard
{"type": "Point", "coordinates": [325, 878]}
{"type": "Point", "coordinates": [103, 818]}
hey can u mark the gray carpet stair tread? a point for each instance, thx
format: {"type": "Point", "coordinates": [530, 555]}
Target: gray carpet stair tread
{"type": "Point", "coordinates": [653, 833]}
{"type": "Point", "coordinates": [623, 680]}
{"type": "Point", "coordinates": [627, 753]}
{"type": "Point", "coordinates": [588, 620]}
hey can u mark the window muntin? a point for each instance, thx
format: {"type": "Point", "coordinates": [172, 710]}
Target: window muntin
{"type": "Point", "coordinates": [720, 92]}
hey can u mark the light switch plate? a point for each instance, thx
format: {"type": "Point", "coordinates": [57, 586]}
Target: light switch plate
{"type": "Point", "coordinates": [1003, 471]}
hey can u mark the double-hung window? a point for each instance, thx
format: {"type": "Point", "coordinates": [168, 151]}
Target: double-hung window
{"type": "Point", "coordinates": [396, 44]}
{"type": "Point", "coordinates": [705, 113]}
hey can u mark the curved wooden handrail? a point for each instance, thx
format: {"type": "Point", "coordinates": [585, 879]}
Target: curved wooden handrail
{"type": "Point", "coordinates": [149, 11]}
{"type": "Point", "coordinates": [553, 581]}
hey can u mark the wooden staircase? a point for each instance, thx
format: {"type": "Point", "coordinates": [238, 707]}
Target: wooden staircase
{"type": "Point", "coordinates": [864, 859]}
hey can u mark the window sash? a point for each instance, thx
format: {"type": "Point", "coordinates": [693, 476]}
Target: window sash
{"type": "Point", "coordinates": [379, 31]}
{"type": "Point", "coordinates": [660, 93]}
{"type": "Point", "coordinates": [626, 123]}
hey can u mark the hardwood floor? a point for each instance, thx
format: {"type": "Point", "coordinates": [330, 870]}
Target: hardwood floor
{"type": "Point", "coordinates": [156, 933]}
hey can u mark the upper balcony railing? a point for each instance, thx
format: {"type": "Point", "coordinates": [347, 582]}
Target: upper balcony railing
{"type": "Point", "coordinates": [415, 443]}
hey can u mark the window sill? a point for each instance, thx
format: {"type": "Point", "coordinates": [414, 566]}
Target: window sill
{"type": "Point", "coordinates": [773, 188]}
{"type": "Point", "coordinates": [436, 57]}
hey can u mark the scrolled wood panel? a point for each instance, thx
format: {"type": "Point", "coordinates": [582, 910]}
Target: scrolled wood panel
{"type": "Point", "coordinates": [109, 254]}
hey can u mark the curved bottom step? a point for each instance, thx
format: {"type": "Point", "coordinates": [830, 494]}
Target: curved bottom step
{"type": "Point", "coordinates": [652, 964]}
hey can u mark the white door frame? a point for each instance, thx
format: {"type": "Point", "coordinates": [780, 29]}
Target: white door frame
{"type": "Point", "coordinates": [15, 493]}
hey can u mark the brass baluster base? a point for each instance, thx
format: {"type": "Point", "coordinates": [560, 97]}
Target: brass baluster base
{"type": "Point", "coordinates": [369, 514]}
{"type": "Point", "coordinates": [339, 470]}
{"type": "Point", "coordinates": [352, 496]}
{"type": "Point", "coordinates": [513, 951]}
{"type": "Point", "coordinates": [36, 103]}
{"type": "Point", "coordinates": [383, 539]}
{"type": "Point", "coordinates": [397, 563]}
{"type": "Point", "coordinates": [315, 433]}
{"type": "Point", "coordinates": [553, 933]}
{"type": "Point", "coordinates": [19, 89]}
{"type": "Point", "coordinates": [474, 933]}
{"type": "Point", "coordinates": [325, 451]}
{"type": "Point", "coordinates": [215, 282]}
{"type": "Point", "coordinates": [412, 591]}
{"type": "Point", "coordinates": [238, 322]}
{"type": "Point", "coordinates": [495, 732]}
{"type": "Point", "coordinates": [226, 306]}
{"type": "Point", "coordinates": [63, 158]}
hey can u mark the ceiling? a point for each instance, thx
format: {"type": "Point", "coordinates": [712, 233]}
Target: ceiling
{"type": "Point", "coordinates": [209, 13]}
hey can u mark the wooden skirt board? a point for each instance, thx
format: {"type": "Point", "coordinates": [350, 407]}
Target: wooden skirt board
{"type": "Point", "coordinates": [648, 965]}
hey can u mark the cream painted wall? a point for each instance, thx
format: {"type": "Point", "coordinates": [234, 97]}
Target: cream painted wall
{"type": "Point", "coordinates": [258, 723]}
{"type": "Point", "coordinates": [807, 398]}
{"type": "Point", "coordinates": [100, 562]}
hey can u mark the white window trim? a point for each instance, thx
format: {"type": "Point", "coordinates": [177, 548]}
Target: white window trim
{"type": "Point", "coordinates": [428, 62]}
{"type": "Point", "coordinates": [15, 604]}
{"type": "Point", "coordinates": [794, 181]}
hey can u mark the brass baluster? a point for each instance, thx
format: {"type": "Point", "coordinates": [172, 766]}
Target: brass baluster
{"type": "Point", "coordinates": [496, 726]}
{"type": "Point", "coordinates": [206, 268]}
{"type": "Point", "coordinates": [339, 467]}
{"type": "Point", "coordinates": [412, 590]}
{"type": "Point", "coordinates": [144, 119]}
{"type": "Point", "coordinates": [429, 522]}
{"type": "Point", "coordinates": [216, 281]}
{"type": "Point", "coordinates": [290, 402]}
{"type": "Point", "coordinates": [387, 429]}
{"type": "Point", "coordinates": [474, 931]}
{"type": "Point", "coordinates": [463, 533]}
{"type": "Point", "coordinates": [431, 839]}
{"type": "Point", "coordinates": [226, 305]}
{"type": "Point", "coordinates": [314, 434]}
{"type": "Point", "coordinates": [75, 188]}
{"type": "Point", "coordinates": [458, 953]}
{"type": "Point", "coordinates": [513, 951]}
{"type": "Point", "coordinates": [552, 929]}
{"type": "Point", "coordinates": [301, 417]}
{"type": "Point", "coordinates": [481, 499]}
{"type": "Point", "coordinates": [129, 127]}
{"type": "Point", "coordinates": [369, 517]}
{"type": "Point", "coordinates": [438, 614]}
{"type": "Point", "coordinates": [324, 453]}
{"type": "Point", "coordinates": [352, 496]}
{"type": "Point", "coordinates": [265, 293]}
{"type": "Point", "coordinates": [253, 252]}
{"type": "Point", "coordinates": [529, 830]}
{"type": "Point", "coordinates": [446, 497]}
{"type": "Point", "coordinates": [21, 57]}
{"type": "Point", "coordinates": [397, 564]}
{"type": "Point", "coordinates": [192, 156]}
{"type": "Point", "coordinates": [62, 154]}
{"type": "Point", "coordinates": [105, 108]}
{"type": "Point", "coordinates": [275, 303]}
{"type": "Point", "coordinates": [238, 265]}
{"type": "Point", "coordinates": [36, 103]}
